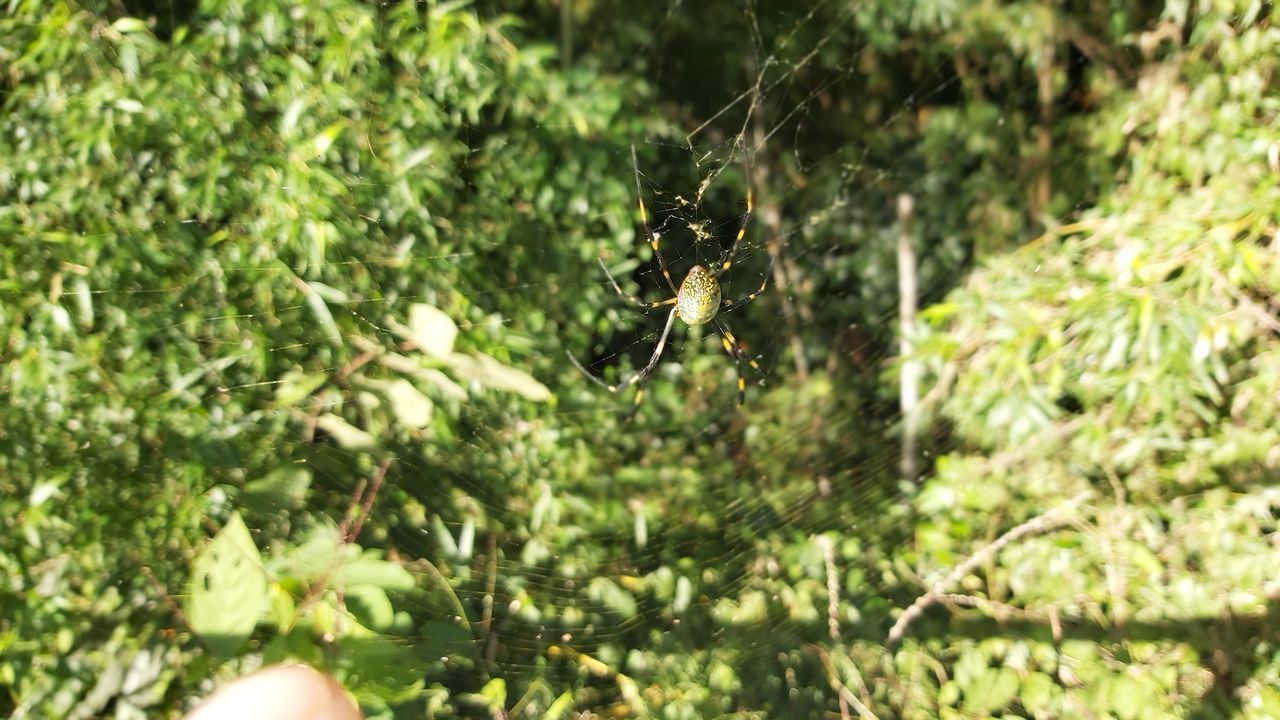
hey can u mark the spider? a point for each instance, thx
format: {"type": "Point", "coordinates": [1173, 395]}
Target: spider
{"type": "Point", "coordinates": [698, 301]}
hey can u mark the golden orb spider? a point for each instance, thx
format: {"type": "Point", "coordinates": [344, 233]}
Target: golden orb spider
{"type": "Point", "coordinates": [699, 300]}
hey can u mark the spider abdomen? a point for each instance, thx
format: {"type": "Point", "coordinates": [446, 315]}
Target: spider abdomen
{"type": "Point", "coordinates": [698, 300]}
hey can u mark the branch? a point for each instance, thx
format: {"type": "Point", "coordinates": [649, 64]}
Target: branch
{"type": "Point", "coordinates": [1034, 526]}
{"type": "Point", "coordinates": [833, 604]}
{"type": "Point", "coordinates": [348, 532]}
{"type": "Point", "coordinates": [845, 694]}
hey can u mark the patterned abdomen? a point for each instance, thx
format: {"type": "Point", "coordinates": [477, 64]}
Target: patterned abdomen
{"type": "Point", "coordinates": [699, 298]}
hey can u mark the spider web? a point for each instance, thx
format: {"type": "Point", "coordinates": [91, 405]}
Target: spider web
{"type": "Point", "coordinates": [791, 467]}
{"type": "Point", "coordinates": [694, 186]}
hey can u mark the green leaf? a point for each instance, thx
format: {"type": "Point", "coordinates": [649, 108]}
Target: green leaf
{"type": "Point", "coordinates": [228, 588]}
{"type": "Point", "coordinates": [284, 487]}
{"type": "Point", "coordinates": [466, 539]}
{"type": "Point", "coordinates": [323, 141]}
{"type": "Point", "coordinates": [1129, 696]}
{"type": "Point", "coordinates": [431, 330]}
{"type": "Point", "coordinates": [722, 678]}
{"type": "Point", "coordinates": [1037, 690]}
{"type": "Point", "coordinates": [495, 692]}
{"type": "Point", "coordinates": [410, 407]}
{"type": "Point", "coordinates": [316, 556]}
{"type": "Point", "coordinates": [560, 707]}
{"type": "Point", "coordinates": [684, 594]}
{"type": "Point", "coordinates": [281, 609]}
{"type": "Point", "coordinates": [492, 374]}
{"type": "Point", "coordinates": [344, 433]}
{"type": "Point", "coordinates": [320, 309]}
{"type": "Point", "coordinates": [129, 25]}
{"type": "Point", "coordinates": [990, 691]}
{"type": "Point", "coordinates": [370, 606]}
{"type": "Point", "coordinates": [296, 386]}
{"type": "Point", "coordinates": [609, 594]}
{"type": "Point", "coordinates": [379, 667]}
{"type": "Point", "coordinates": [445, 638]}
{"type": "Point", "coordinates": [370, 570]}
{"type": "Point", "coordinates": [443, 536]}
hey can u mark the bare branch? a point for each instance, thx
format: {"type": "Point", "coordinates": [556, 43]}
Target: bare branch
{"type": "Point", "coordinates": [1054, 518]}
{"type": "Point", "coordinates": [846, 695]}
{"type": "Point", "coordinates": [833, 604]}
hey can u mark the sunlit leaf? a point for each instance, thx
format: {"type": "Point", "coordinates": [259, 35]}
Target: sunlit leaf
{"type": "Point", "coordinates": [431, 330]}
{"type": "Point", "coordinates": [127, 25]}
{"type": "Point", "coordinates": [296, 386]}
{"type": "Point", "coordinates": [369, 570]}
{"type": "Point", "coordinates": [609, 594]}
{"type": "Point", "coordinates": [344, 433]}
{"type": "Point", "coordinates": [411, 407]}
{"type": "Point", "coordinates": [990, 690]}
{"type": "Point", "coordinates": [282, 488]}
{"type": "Point", "coordinates": [370, 605]}
{"type": "Point", "coordinates": [228, 588]}
{"type": "Point", "coordinates": [490, 373]}
{"type": "Point", "coordinates": [321, 310]}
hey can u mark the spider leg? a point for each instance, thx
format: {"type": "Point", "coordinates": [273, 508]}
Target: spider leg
{"type": "Point", "coordinates": [731, 305]}
{"type": "Point", "coordinates": [592, 378]}
{"type": "Point", "coordinates": [644, 218]}
{"type": "Point", "coordinates": [628, 296]}
{"type": "Point", "coordinates": [732, 347]}
{"type": "Point", "coordinates": [641, 376]}
{"type": "Point", "coordinates": [732, 253]}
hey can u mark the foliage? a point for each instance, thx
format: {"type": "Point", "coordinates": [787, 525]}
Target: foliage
{"type": "Point", "coordinates": [1131, 355]}
{"type": "Point", "coordinates": [286, 291]}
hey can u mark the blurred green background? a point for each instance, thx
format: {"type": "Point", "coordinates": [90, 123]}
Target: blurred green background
{"type": "Point", "coordinates": [286, 292]}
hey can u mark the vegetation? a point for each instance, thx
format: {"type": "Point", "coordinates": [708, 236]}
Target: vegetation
{"type": "Point", "coordinates": [286, 292]}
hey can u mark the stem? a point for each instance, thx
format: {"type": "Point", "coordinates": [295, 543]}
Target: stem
{"type": "Point", "coordinates": [1048, 521]}
{"type": "Point", "coordinates": [908, 288]}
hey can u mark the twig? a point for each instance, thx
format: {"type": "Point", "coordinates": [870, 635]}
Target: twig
{"type": "Point", "coordinates": [1041, 190]}
{"type": "Point", "coordinates": [490, 587]}
{"type": "Point", "coordinates": [344, 527]}
{"type": "Point", "coordinates": [348, 530]}
{"type": "Point", "coordinates": [164, 595]}
{"type": "Point", "coordinates": [1259, 313]}
{"type": "Point", "coordinates": [909, 386]}
{"type": "Point", "coordinates": [367, 505]}
{"type": "Point", "coordinates": [1036, 525]}
{"type": "Point", "coordinates": [358, 362]}
{"type": "Point", "coordinates": [833, 587]}
{"type": "Point", "coordinates": [846, 695]}
{"type": "Point", "coordinates": [942, 386]}
{"type": "Point", "coordinates": [833, 603]}
{"type": "Point", "coordinates": [1115, 566]}
{"type": "Point", "coordinates": [626, 684]}
{"type": "Point", "coordinates": [996, 609]}
{"type": "Point", "coordinates": [1006, 459]}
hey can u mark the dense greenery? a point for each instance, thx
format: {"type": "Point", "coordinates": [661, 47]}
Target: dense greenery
{"type": "Point", "coordinates": [286, 290]}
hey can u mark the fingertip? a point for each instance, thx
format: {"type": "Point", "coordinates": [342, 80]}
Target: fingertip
{"type": "Point", "coordinates": [280, 692]}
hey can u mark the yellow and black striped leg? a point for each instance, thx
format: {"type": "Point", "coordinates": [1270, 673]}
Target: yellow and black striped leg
{"type": "Point", "coordinates": [737, 240]}
{"type": "Point", "coordinates": [735, 350]}
{"type": "Point", "coordinates": [640, 377]}
{"type": "Point", "coordinates": [731, 305]}
{"type": "Point", "coordinates": [737, 365]}
{"type": "Point", "coordinates": [654, 238]}
{"type": "Point", "coordinates": [628, 296]}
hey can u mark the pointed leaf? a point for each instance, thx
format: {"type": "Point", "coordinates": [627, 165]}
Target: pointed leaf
{"type": "Point", "coordinates": [411, 407]}
{"type": "Point", "coordinates": [228, 588]}
{"type": "Point", "coordinates": [490, 373]}
{"type": "Point", "coordinates": [432, 330]}
{"type": "Point", "coordinates": [344, 433]}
